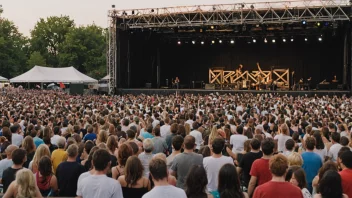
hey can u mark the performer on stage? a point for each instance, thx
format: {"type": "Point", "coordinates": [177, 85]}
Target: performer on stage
{"type": "Point", "coordinates": [175, 83]}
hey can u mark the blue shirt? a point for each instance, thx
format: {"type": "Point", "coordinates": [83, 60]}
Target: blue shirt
{"type": "Point", "coordinates": [311, 165]}
{"type": "Point", "coordinates": [146, 135]}
{"type": "Point", "coordinates": [38, 141]}
{"type": "Point", "coordinates": [90, 136]}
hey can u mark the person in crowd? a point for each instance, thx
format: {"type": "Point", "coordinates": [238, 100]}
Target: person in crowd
{"type": "Point", "coordinates": [19, 157]}
{"type": "Point", "coordinates": [112, 147]}
{"type": "Point", "coordinates": [196, 183]}
{"type": "Point", "coordinates": [311, 162]}
{"type": "Point", "coordinates": [59, 155]}
{"type": "Point", "coordinates": [91, 171]}
{"type": "Point", "coordinates": [289, 147]}
{"type": "Point", "coordinates": [295, 159]}
{"type": "Point", "coordinates": [56, 135]}
{"type": "Point", "coordinates": [45, 179]}
{"type": "Point", "coordinates": [171, 179]}
{"type": "Point", "coordinates": [237, 140]}
{"type": "Point", "coordinates": [330, 186]}
{"type": "Point", "coordinates": [98, 184]}
{"type": "Point", "coordinates": [90, 134]}
{"type": "Point", "coordinates": [86, 150]}
{"type": "Point", "coordinates": [278, 187]}
{"type": "Point", "coordinates": [346, 173]}
{"type": "Point", "coordinates": [213, 163]}
{"type": "Point", "coordinates": [247, 161]}
{"type": "Point", "coordinates": [205, 151]}
{"type": "Point", "coordinates": [147, 155]}
{"type": "Point", "coordinates": [7, 139]}
{"type": "Point", "coordinates": [197, 134]}
{"type": "Point", "coordinates": [336, 146]}
{"type": "Point", "coordinates": [282, 138]}
{"type": "Point", "coordinates": [125, 151]}
{"type": "Point", "coordinates": [169, 138]}
{"type": "Point", "coordinates": [133, 183]}
{"type": "Point", "coordinates": [23, 186]}
{"type": "Point", "coordinates": [47, 142]}
{"type": "Point", "coordinates": [148, 133]}
{"type": "Point", "coordinates": [16, 138]}
{"type": "Point", "coordinates": [298, 178]}
{"type": "Point", "coordinates": [41, 151]}
{"type": "Point", "coordinates": [37, 132]}
{"type": "Point", "coordinates": [320, 147]}
{"type": "Point", "coordinates": [260, 172]}
{"type": "Point", "coordinates": [159, 173]}
{"type": "Point", "coordinates": [165, 129]}
{"type": "Point", "coordinates": [229, 183]}
{"type": "Point", "coordinates": [177, 143]}
{"type": "Point", "coordinates": [68, 172]}
{"type": "Point", "coordinates": [29, 146]}
{"type": "Point", "coordinates": [159, 143]}
{"type": "Point", "coordinates": [7, 162]}
{"type": "Point", "coordinates": [183, 161]}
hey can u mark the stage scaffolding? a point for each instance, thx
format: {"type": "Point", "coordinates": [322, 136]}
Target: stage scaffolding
{"type": "Point", "coordinates": [229, 15]}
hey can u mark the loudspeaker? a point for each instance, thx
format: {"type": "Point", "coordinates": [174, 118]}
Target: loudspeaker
{"type": "Point", "coordinates": [76, 89]}
{"type": "Point", "coordinates": [209, 86]}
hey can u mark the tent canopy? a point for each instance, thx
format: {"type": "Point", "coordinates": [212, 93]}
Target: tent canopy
{"type": "Point", "coordinates": [107, 77]}
{"type": "Point", "coordinates": [3, 79]}
{"type": "Point", "coordinates": [49, 74]}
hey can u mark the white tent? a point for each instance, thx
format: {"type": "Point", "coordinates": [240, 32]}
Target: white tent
{"type": "Point", "coordinates": [107, 77]}
{"type": "Point", "coordinates": [48, 74]}
{"type": "Point", "coordinates": [3, 79]}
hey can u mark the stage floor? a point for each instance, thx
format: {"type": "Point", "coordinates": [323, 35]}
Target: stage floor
{"type": "Point", "coordinates": [207, 91]}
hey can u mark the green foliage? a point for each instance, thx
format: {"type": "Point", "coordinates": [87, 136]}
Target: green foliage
{"type": "Point", "coordinates": [47, 36]}
{"type": "Point", "coordinates": [35, 59]}
{"type": "Point", "coordinates": [13, 49]}
{"type": "Point", "coordinates": [85, 49]}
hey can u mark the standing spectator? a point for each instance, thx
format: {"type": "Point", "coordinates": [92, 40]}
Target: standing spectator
{"type": "Point", "coordinates": [320, 148]}
{"type": "Point", "coordinates": [125, 151]}
{"type": "Point", "coordinates": [165, 129]}
{"type": "Point", "coordinates": [23, 186]}
{"type": "Point", "coordinates": [330, 186]}
{"type": "Point", "coordinates": [336, 146]}
{"type": "Point", "coordinates": [183, 161]}
{"type": "Point", "coordinates": [41, 151]}
{"type": "Point", "coordinates": [196, 183]}
{"type": "Point", "coordinates": [59, 155]}
{"type": "Point", "coordinates": [68, 172]}
{"type": "Point", "coordinates": [47, 142]}
{"type": "Point", "coordinates": [260, 172]}
{"type": "Point", "coordinates": [168, 139]}
{"type": "Point", "coordinates": [147, 155]}
{"type": "Point", "coordinates": [213, 164]}
{"type": "Point", "coordinates": [278, 187]}
{"type": "Point", "coordinates": [197, 134]}
{"type": "Point", "coordinates": [56, 136]}
{"type": "Point", "coordinates": [289, 147]}
{"type": "Point", "coordinates": [346, 173]}
{"type": "Point", "coordinates": [7, 162]}
{"type": "Point", "coordinates": [29, 146]}
{"type": "Point", "coordinates": [16, 137]}
{"type": "Point", "coordinates": [133, 183]}
{"type": "Point", "coordinates": [37, 140]}
{"type": "Point", "coordinates": [282, 138]}
{"type": "Point", "coordinates": [248, 159]}
{"type": "Point", "coordinates": [90, 134]}
{"type": "Point", "coordinates": [229, 183]}
{"type": "Point", "coordinates": [19, 157]}
{"type": "Point", "coordinates": [311, 162]}
{"type": "Point", "coordinates": [237, 140]}
{"type": "Point", "coordinates": [148, 133]}
{"type": "Point", "coordinates": [159, 173]}
{"type": "Point", "coordinates": [6, 133]}
{"type": "Point", "coordinates": [177, 143]}
{"type": "Point", "coordinates": [159, 143]}
{"type": "Point", "coordinates": [46, 181]}
{"type": "Point", "coordinates": [298, 179]}
{"type": "Point", "coordinates": [98, 184]}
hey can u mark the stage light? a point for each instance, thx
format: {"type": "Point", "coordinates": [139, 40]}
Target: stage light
{"type": "Point", "coordinates": [112, 6]}
{"type": "Point", "coordinates": [292, 40]}
{"type": "Point", "coordinates": [254, 40]}
{"type": "Point", "coordinates": [326, 24]}
{"type": "Point", "coordinates": [193, 42]}
{"type": "Point", "coordinates": [202, 42]}
{"type": "Point", "coordinates": [320, 39]}
{"type": "Point", "coordinates": [133, 12]}
{"type": "Point", "coordinates": [152, 10]}
{"type": "Point", "coordinates": [273, 40]}
{"type": "Point", "coordinates": [220, 41]}
{"type": "Point", "coordinates": [212, 42]}
{"type": "Point", "coordinates": [179, 42]}
{"type": "Point", "coordinates": [265, 41]}
{"type": "Point", "coordinates": [232, 41]}
{"type": "Point", "coordinates": [305, 39]}
{"type": "Point", "coordinates": [284, 40]}
{"type": "Point", "coordinates": [318, 24]}
{"type": "Point", "coordinates": [304, 22]}
{"type": "Point", "coordinates": [212, 27]}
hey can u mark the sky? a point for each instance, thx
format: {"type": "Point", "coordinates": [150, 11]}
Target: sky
{"type": "Point", "coordinates": [25, 13]}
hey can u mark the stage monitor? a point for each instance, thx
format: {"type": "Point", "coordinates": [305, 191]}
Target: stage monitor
{"type": "Point", "coordinates": [76, 89]}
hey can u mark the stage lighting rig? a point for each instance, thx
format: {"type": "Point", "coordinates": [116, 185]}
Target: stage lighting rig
{"type": "Point", "coordinates": [254, 40]}
{"type": "Point", "coordinates": [202, 42]}
{"type": "Point", "coordinates": [265, 41]}
{"type": "Point", "coordinates": [274, 41]}
{"type": "Point", "coordinates": [232, 42]}
{"type": "Point", "coordinates": [306, 39]}
{"type": "Point", "coordinates": [284, 40]}
{"type": "Point", "coordinates": [220, 41]}
{"type": "Point", "coordinates": [320, 39]}
{"type": "Point", "coordinates": [304, 22]}
{"type": "Point", "coordinates": [179, 43]}
{"type": "Point", "coordinates": [292, 39]}
{"type": "Point", "coordinates": [113, 6]}
{"type": "Point", "coordinates": [212, 42]}
{"type": "Point", "coordinates": [193, 42]}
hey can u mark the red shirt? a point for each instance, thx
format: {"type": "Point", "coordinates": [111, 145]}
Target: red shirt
{"type": "Point", "coordinates": [346, 177]}
{"type": "Point", "coordinates": [260, 169]}
{"type": "Point", "coordinates": [277, 189]}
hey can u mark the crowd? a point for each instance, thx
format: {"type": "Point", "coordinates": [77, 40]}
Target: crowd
{"type": "Point", "coordinates": [194, 146]}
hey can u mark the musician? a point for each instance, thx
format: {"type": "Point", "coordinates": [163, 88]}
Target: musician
{"type": "Point", "coordinates": [175, 83]}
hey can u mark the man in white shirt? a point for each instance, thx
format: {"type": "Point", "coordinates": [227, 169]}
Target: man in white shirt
{"type": "Point", "coordinates": [165, 129]}
{"type": "Point", "coordinates": [16, 137]}
{"type": "Point", "coordinates": [159, 174]}
{"type": "Point", "coordinates": [213, 163]}
{"type": "Point", "coordinates": [190, 120]}
{"type": "Point", "coordinates": [7, 162]}
{"type": "Point", "coordinates": [56, 136]}
{"type": "Point", "coordinates": [336, 146]}
{"type": "Point", "coordinates": [197, 134]}
{"type": "Point", "coordinates": [237, 140]}
{"type": "Point", "coordinates": [98, 184]}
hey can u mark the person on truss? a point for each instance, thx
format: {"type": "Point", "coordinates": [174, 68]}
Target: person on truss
{"type": "Point", "coordinates": [239, 70]}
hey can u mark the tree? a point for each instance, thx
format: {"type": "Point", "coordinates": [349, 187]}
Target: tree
{"type": "Point", "coordinates": [13, 49]}
{"type": "Point", "coordinates": [35, 59]}
{"type": "Point", "coordinates": [47, 36]}
{"type": "Point", "coordinates": [85, 49]}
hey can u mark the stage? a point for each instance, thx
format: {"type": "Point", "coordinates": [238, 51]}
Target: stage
{"type": "Point", "coordinates": [207, 91]}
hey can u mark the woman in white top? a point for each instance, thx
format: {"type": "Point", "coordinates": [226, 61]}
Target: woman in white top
{"type": "Point", "coordinates": [282, 137]}
{"type": "Point", "coordinates": [299, 179]}
{"type": "Point", "coordinates": [320, 148]}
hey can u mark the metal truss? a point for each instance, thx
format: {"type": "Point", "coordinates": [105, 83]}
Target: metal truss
{"type": "Point", "coordinates": [111, 52]}
{"type": "Point", "coordinates": [235, 14]}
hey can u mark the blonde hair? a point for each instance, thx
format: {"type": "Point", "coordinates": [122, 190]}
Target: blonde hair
{"type": "Point", "coordinates": [187, 128]}
{"type": "Point", "coordinates": [295, 159]}
{"type": "Point", "coordinates": [213, 134]}
{"type": "Point", "coordinates": [28, 144]}
{"type": "Point", "coordinates": [42, 150]}
{"type": "Point", "coordinates": [26, 184]}
{"type": "Point", "coordinates": [103, 136]}
{"type": "Point", "coordinates": [160, 156]}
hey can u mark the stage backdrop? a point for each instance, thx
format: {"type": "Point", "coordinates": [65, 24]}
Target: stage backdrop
{"type": "Point", "coordinates": [319, 60]}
